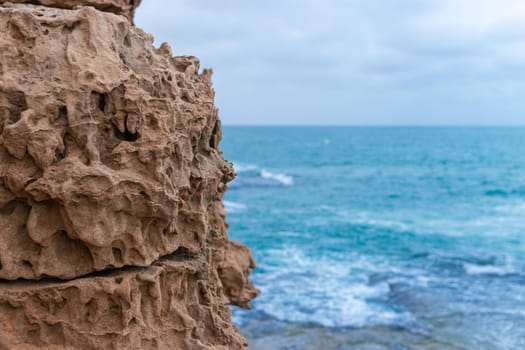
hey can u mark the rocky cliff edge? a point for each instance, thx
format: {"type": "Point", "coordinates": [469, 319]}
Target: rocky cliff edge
{"type": "Point", "coordinates": [112, 230]}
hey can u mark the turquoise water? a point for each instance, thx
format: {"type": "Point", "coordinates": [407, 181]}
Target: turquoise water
{"type": "Point", "coordinates": [381, 238]}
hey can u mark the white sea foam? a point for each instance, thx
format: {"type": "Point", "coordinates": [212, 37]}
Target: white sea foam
{"type": "Point", "coordinates": [240, 168]}
{"type": "Point", "coordinates": [474, 269]}
{"type": "Point", "coordinates": [328, 290]}
{"type": "Point", "coordinates": [284, 179]}
{"type": "Point", "coordinates": [233, 206]}
{"type": "Point", "coordinates": [255, 171]}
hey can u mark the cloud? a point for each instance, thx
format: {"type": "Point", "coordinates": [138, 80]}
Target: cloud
{"type": "Point", "coordinates": [354, 61]}
{"type": "Point", "coordinates": [474, 18]}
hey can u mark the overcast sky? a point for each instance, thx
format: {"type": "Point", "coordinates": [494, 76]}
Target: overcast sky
{"type": "Point", "coordinates": [364, 62]}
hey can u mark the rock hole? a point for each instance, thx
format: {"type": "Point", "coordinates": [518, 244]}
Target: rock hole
{"type": "Point", "coordinates": [102, 102]}
{"type": "Point", "coordinates": [185, 98]}
{"type": "Point", "coordinates": [91, 308]}
{"type": "Point", "coordinates": [9, 208]}
{"type": "Point", "coordinates": [118, 280]}
{"type": "Point", "coordinates": [62, 113]}
{"type": "Point", "coordinates": [214, 138]}
{"type": "Point", "coordinates": [115, 309]}
{"type": "Point", "coordinates": [182, 253]}
{"type": "Point", "coordinates": [127, 41]}
{"type": "Point", "coordinates": [90, 76]}
{"type": "Point", "coordinates": [15, 32]}
{"type": "Point", "coordinates": [59, 155]}
{"type": "Point", "coordinates": [117, 254]}
{"type": "Point", "coordinates": [169, 172]}
{"type": "Point", "coordinates": [194, 142]}
{"type": "Point", "coordinates": [61, 119]}
{"type": "Point", "coordinates": [17, 104]}
{"type": "Point", "coordinates": [68, 28]}
{"type": "Point", "coordinates": [98, 101]}
{"type": "Point", "coordinates": [152, 121]}
{"type": "Point", "coordinates": [122, 58]}
{"type": "Point", "coordinates": [69, 141]}
{"type": "Point", "coordinates": [27, 263]}
{"type": "Point", "coordinates": [126, 135]}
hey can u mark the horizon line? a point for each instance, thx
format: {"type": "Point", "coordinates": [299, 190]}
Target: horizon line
{"type": "Point", "coordinates": [382, 125]}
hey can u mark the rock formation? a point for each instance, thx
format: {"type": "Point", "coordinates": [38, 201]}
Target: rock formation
{"type": "Point", "coordinates": [112, 231]}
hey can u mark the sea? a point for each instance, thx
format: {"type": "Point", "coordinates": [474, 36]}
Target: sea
{"type": "Point", "coordinates": [381, 237]}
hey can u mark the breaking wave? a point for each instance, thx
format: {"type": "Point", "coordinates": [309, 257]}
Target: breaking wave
{"type": "Point", "coordinates": [249, 175]}
{"type": "Point", "coordinates": [475, 269]}
{"type": "Point", "coordinates": [232, 207]}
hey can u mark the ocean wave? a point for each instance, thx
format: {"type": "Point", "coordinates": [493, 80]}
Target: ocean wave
{"type": "Point", "coordinates": [233, 206]}
{"type": "Point", "coordinates": [241, 168]}
{"type": "Point", "coordinates": [250, 175]}
{"type": "Point", "coordinates": [281, 178]}
{"type": "Point", "coordinates": [475, 269]}
{"type": "Point", "coordinates": [333, 292]}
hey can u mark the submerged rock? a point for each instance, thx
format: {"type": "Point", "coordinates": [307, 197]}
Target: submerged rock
{"type": "Point", "coordinates": [109, 160]}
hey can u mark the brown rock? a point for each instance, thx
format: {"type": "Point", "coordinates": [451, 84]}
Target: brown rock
{"type": "Point", "coordinates": [119, 7]}
{"type": "Point", "coordinates": [108, 146]}
{"type": "Point", "coordinates": [109, 161]}
{"type": "Point", "coordinates": [170, 305]}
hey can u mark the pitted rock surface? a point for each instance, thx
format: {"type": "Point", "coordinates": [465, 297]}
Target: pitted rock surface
{"type": "Point", "coordinates": [119, 7]}
{"type": "Point", "coordinates": [109, 160]}
{"type": "Point", "coordinates": [108, 146]}
{"type": "Point", "coordinates": [170, 305]}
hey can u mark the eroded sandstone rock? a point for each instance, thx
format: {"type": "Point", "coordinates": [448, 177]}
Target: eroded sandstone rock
{"type": "Point", "coordinates": [107, 145]}
{"type": "Point", "coordinates": [120, 7]}
{"type": "Point", "coordinates": [170, 305]}
{"type": "Point", "coordinates": [109, 159]}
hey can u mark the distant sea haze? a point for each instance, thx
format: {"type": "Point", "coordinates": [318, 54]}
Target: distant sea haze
{"type": "Point", "coordinates": [393, 237]}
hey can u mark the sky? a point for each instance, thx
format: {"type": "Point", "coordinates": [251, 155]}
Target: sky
{"type": "Point", "coordinates": [353, 62]}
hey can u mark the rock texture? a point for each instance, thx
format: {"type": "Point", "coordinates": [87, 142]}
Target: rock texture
{"type": "Point", "coordinates": [109, 161]}
{"type": "Point", "coordinates": [170, 305]}
{"type": "Point", "coordinates": [119, 7]}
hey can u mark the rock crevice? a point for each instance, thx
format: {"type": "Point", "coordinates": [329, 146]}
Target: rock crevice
{"type": "Point", "coordinates": [109, 161]}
